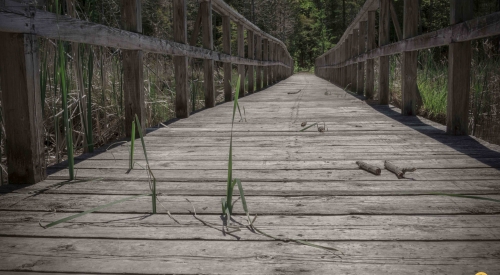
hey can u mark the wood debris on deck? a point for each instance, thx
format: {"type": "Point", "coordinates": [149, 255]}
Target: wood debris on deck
{"type": "Point", "coordinates": [303, 185]}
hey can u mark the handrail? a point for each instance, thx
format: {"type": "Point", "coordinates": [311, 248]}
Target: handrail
{"type": "Point", "coordinates": [351, 62]}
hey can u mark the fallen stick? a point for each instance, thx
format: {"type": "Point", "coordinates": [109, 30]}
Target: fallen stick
{"type": "Point", "coordinates": [292, 93]}
{"type": "Point", "coordinates": [400, 172]}
{"type": "Point", "coordinates": [367, 167]}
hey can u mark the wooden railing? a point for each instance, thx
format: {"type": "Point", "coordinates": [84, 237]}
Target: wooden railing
{"type": "Point", "coordinates": [350, 64]}
{"type": "Point", "coordinates": [20, 24]}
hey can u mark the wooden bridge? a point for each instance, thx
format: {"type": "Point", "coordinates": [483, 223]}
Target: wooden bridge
{"type": "Point", "coordinates": [303, 185]}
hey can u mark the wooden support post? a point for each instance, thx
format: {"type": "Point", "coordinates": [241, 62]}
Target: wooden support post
{"type": "Point", "coordinates": [409, 60]}
{"type": "Point", "coordinates": [258, 86]}
{"type": "Point", "coordinates": [226, 45]}
{"type": "Point", "coordinates": [349, 55]}
{"type": "Point", "coordinates": [383, 72]}
{"type": "Point", "coordinates": [22, 107]}
{"type": "Point", "coordinates": [133, 79]}
{"type": "Point", "coordinates": [180, 62]}
{"type": "Point", "coordinates": [272, 73]}
{"type": "Point", "coordinates": [251, 55]}
{"type": "Point", "coordinates": [343, 76]}
{"type": "Point", "coordinates": [354, 67]}
{"type": "Point", "coordinates": [241, 53]}
{"type": "Point", "coordinates": [370, 64]}
{"type": "Point", "coordinates": [363, 25]}
{"type": "Point", "coordinates": [459, 65]}
{"type": "Point", "coordinates": [208, 43]}
{"type": "Point", "coordinates": [265, 57]}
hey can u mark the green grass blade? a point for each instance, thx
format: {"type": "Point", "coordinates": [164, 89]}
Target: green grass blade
{"type": "Point", "coordinates": [153, 188]}
{"type": "Point", "coordinates": [466, 196]}
{"type": "Point", "coordinates": [93, 210]}
{"type": "Point", "coordinates": [132, 140]}
{"type": "Point", "coordinates": [230, 162]}
{"type": "Point", "coordinates": [242, 196]}
{"type": "Point", "coordinates": [308, 127]}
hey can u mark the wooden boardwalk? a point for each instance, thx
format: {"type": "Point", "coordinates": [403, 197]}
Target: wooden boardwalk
{"type": "Point", "coordinates": [302, 185]}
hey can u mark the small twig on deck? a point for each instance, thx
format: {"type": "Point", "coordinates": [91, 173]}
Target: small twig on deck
{"type": "Point", "coordinates": [400, 172]}
{"type": "Point", "coordinates": [367, 167]}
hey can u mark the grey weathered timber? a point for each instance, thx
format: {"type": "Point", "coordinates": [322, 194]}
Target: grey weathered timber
{"type": "Point", "coordinates": [180, 62]}
{"type": "Point", "coordinates": [22, 107]}
{"type": "Point", "coordinates": [363, 27]}
{"type": "Point", "coordinates": [383, 65]}
{"type": "Point", "coordinates": [459, 65]}
{"type": "Point", "coordinates": [208, 43]}
{"type": "Point", "coordinates": [265, 57]}
{"type": "Point", "coordinates": [303, 185]}
{"type": "Point", "coordinates": [50, 25]}
{"type": "Point", "coordinates": [133, 79]}
{"type": "Point", "coordinates": [477, 28]}
{"type": "Point", "coordinates": [241, 53]}
{"type": "Point", "coordinates": [258, 46]}
{"type": "Point", "coordinates": [226, 45]}
{"type": "Point", "coordinates": [271, 68]}
{"type": "Point", "coordinates": [251, 55]}
{"type": "Point", "coordinates": [409, 60]}
{"type": "Point", "coordinates": [354, 52]}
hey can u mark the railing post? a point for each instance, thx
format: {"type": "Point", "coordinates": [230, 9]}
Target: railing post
{"type": "Point", "coordinates": [348, 56]}
{"type": "Point", "coordinates": [459, 65]}
{"type": "Point", "coordinates": [343, 54]}
{"type": "Point", "coordinates": [208, 43]}
{"type": "Point", "coordinates": [258, 86]}
{"type": "Point", "coordinates": [265, 57]}
{"type": "Point", "coordinates": [361, 50]}
{"type": "Point", "coordinates": [251, 55]}
{"type": "Point", "coordinates": [370, 63]}
{"type": "Point", "coordinates": [383, 72]}
{"type": "Point", "coordinates": [133, 78]}
{"type": "Point", "coordinates": [181, 62]}
{"type": "Point", "coordinates": [226, 44]}
{"type": "Point", "coordinates": [241, 53]}
{"type": "Point", "coordinates": [22, 107]}
{"type": "Point", "coordinates": [409, 60]}
{"type": "Point", "coordinates": [272, 51]}
{"type": "Point", "coordinates": [355, 47]}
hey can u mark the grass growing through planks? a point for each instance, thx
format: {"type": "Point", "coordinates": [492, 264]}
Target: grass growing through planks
{"type": "Point", "coordinates": [228, 203]}
{"type": "Point", "coordinates": [151, 179]}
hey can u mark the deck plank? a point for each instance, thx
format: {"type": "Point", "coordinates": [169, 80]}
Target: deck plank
{"type": "Point", "coordinates": [303, 185]}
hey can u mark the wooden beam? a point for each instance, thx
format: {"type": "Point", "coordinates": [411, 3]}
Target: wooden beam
{"type": "Point", "coordinates": [363, 27]}
{"type": "Point", "coordinates": [258, 45]}
{"type": "Point", "coordinates": [271, 68]}
{"type": "Point", "coordinates": [459, 65]}
{"type": "Point", "coordinates": [133, 79]}
{"type": "Point", "coordinates": [477, 28]}
{"type": "Point", "coordinates": [208, 43]}
{"type": "Point", "coordinates": [349, 56]}
{"type": "Point", "coordinates": [180, 62]}
{"type": "Point", "coordinates": [370, 63]}
{"type": "Point", "coordinates": [383, 66]}
{"type": "Point", "coordinates": [409, 60]}
{"type": "Point", "coordinates": [241, 53]}
{"type": "Point", "coordinates": [354, 67]}
{"type": "Point", "coordinates": [226, 45]}
{"type": "Point", "coordinates": [50, 25]}
{"type": "Point", "coordinates": [22, 108]}
{"type": "Point", "coordinates": [251, 55]}
{"type": "Point", "coordinates": [265, 57]}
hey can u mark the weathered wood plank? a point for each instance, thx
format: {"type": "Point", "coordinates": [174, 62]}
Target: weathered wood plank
{"type": "Point", "coordinates": [383, 62]}
{"type": "Point", "coordinates": [181, 62]}
{"type": "Point", "coordinates": [250, 257]}
{"type": "Point", "coordinates": [208, 43]}
{"type": "Point", "coordinates": [312, 228]}
{"type": "Point", "coordinates": [260, 205]}
{"type": "Point", "coordinates": [409, 93]}
{"type": "Point", "coordinates": [459, 66]}
{"type": "Point", "coordinates": [14, 18]}
{"type": "Point", "coordinates": [226, 44]}
{"type": "Point", "coordinates": [22, 107]}
{"type": "Point", "coordinates": [132, 62]}
{"type": "Point", "coordinates": [241, 53]}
